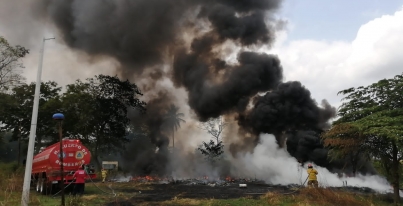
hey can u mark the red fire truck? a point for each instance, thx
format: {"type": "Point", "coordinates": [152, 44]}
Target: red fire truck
{"type": "Point", "coordinates": [46, 174]}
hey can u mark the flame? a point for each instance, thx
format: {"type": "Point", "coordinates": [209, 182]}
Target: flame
{"type": "Point", "coordinates": [229, 179]}
{"type": "Point", "coordinates": [148, 178]}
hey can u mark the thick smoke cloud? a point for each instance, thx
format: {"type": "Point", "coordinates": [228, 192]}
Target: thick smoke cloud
{"type": "Point", "coordinates": [149, 158]}
{"type": "Point", "coordinates": [135, 32]}
{"type": "Point", "coordinates": [255, 73]}
{"type": "Point", "coordinates": [305, 146]}
{"type": "Point", "coordinates": [288, 107]}
{"type": "Point", "coordinates": [143, 34]}
{"type": "Point", "coordinates": [289, 112]}
{"type": "Point", "coordinates": [139, 32]}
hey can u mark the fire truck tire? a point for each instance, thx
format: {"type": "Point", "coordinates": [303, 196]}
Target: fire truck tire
{"type": "Point", "coordinates": [38, 185]}
{"type": "Point", "coordinates": [46, 187]}
{"type": "Point", "coordinates": [41, 187]}
{"type": "Point", "coordinates": [54, 188]}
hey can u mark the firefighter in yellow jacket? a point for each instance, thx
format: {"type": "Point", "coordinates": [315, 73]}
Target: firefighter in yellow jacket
{"type": "Point", "coordinates": [103, 174]}
{"type": "Point", "coordinates": [312, 179]}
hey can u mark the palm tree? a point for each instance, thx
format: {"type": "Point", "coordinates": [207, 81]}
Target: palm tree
{"type": "Point", "coordinates": [173, 120]}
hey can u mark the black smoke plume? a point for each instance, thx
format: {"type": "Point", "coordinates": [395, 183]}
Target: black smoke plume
{"type": "Point", "coordinates": [139, 32]}
{"type": "Point", "coordinates": [143, 156]}
{"type": "Point", "coordinates": [255, 73]}
{"type": "Point", "coordinates": [307, 146]}
{"type": "Point", "coordinates": [142, 34]}
{"type": "Point", "coordinates": [288, 107]}
{"type": "Point", "coordinates": [289, 112]}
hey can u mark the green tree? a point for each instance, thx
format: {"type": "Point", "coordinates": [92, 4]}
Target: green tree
{"type": "Point", "coordinates": [17, 117]}
{"type": "Point", "coordinates": [78, 106]}
{"type": "Point", "coordinates": [345, 141]}
{"type": "Point", "coordinates": [376, 111]}
{"type": "Point", "coordinates": [97, 112]}
{"type": "Point", "coordinates": [173, 120]}
{"type": "Point", "coordinates": [10, 64]}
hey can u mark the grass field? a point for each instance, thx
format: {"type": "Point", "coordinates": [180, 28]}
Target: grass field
{"type": "Point", "coordinates": [94, 196]}
{"type": "Point", "coordinates": [142, 194]}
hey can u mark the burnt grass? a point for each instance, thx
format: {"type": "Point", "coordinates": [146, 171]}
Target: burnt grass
{"type": "Point", "coordinates": [163, 192]}
{"type": "Point", "coordinates": [159, 192]}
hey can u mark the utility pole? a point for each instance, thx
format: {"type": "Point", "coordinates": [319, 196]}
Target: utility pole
{"type": "Point", "coordinates": [60, 117]}
{"type": "Point", "coordinates": [32, 134]}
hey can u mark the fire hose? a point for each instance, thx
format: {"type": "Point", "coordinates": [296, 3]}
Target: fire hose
{"type": "Point", "coordinates": [109, 186]}
{"type": "Point", "coordinates": [61, 190]}
{"type": "Point", "coordinates": [289, 193]}
{"type": "Point", "coordinates": [305, 180]}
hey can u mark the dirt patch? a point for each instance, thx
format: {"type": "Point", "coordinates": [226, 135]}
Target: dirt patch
{"type": "Point", "coordinates": [163, 192]}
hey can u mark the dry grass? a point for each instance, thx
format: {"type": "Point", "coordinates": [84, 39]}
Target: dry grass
{"type": "Point", "coordinates": [12, 190]}
{"type": "Point", "coordinates": [272, 198]}
{"type": "Point", "coordinates": [323, 196]}
{"type": "Point", "coordinates": [180, 201]}
{"type": "Point", "coordinates": [75, 201]}
{"type": "Point", "coordinates": [11, 184]}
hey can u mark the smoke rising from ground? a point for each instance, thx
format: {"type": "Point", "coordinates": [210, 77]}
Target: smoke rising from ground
{"type": "Point", "coordinates": [266, 162]}
{"type": "Point", "coordinates": [276, 166]}
{"type": "Point", "coordinates": [189, 41]}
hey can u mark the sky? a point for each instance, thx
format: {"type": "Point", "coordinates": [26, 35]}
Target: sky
{"type": "Point", "coordinates": [339, 20]}
{"type": "Point", "coordinates": [327, 46]}
{"type": "Point", "coordinates": [334, 46]}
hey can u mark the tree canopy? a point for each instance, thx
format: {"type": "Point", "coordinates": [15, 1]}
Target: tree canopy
{"type": "Point", "coordinates": [96, 112]}
{"type": "Point", "coordinates": [10, 64]}
{"type": "Point", "coordinates": [371, 121]}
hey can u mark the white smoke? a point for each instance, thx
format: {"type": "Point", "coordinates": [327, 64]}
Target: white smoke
{"type": "Point", "coordinates": [276, 166]}
{"type": "Point", "coordinates": [269, 163]}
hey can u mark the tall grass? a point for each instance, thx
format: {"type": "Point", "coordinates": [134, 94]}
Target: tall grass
{"type": "Point", "coordinates": [326, 196]}
{"type": "Point", "coordinates": [11, 183]}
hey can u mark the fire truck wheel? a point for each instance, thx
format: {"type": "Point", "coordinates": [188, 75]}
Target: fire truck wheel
{"type": "Point", "coordinates": [54, 188]}
{"type": "Point", "coordinates": [41, 187]}
{"type": "Point", "coordinates": [38, 184]}
{"type": "Point", "coordinates": [45, 187]}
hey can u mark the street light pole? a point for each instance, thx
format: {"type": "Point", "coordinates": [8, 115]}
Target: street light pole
{"type": "Point", "coordinates": [32, 134]}
{"type": "Point", "coordinates": [60, 117]}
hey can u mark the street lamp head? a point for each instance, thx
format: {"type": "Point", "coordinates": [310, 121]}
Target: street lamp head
{"type": "Point", "coordinates": [58, 116]}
